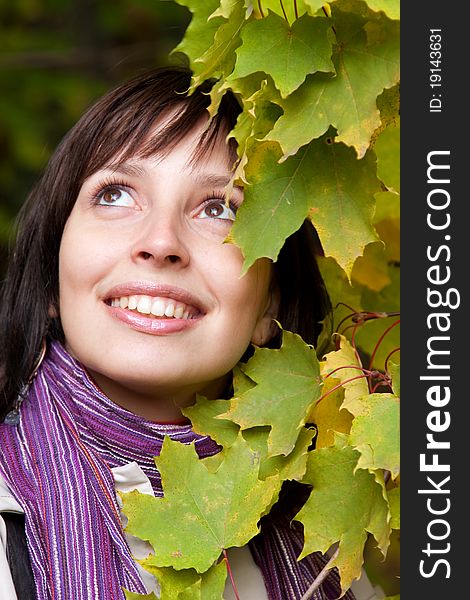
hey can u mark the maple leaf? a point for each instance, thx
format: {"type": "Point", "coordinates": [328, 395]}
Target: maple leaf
{"type": "Point", "coordinates": [386, 300]}
{"type": "Point", "coordinates": [390, 7]}
{"type": "Point", "coordinates": [203, 420]}
{"type": "Point", "coordinates": [345, 504]}
{"type": "Point", "coordinates": [204, 413]}
{"type": "Point", "coordinates": [135, 596]}
{"type": "Point", "coordinates": [199, 35]}
{"type": "Point", "coordinates": [393, 496]}
{"type": "Point", "coordinates": [219, 59]}
{"type": "Point", "coordinates": [213, 510]}
{"type": "Point", "coordinates": [366, 60]}
{"type": "Point", "coordinates": [288, 10]}
{"type": "Point", "coordinates": [371, 269]}
{"type": "Point", "coordinates": [328, 415]}
{"type": "Point", "coordinates": [299, 49]}
{"type": "Point", "coordinates": [288, 384]}
{"type": "Point", "coordinates": [387, 148]}
{"type": "Point", "coordinates": [394, 370]}
{"type": "Point", "coordinates": [323, 179]}
{"type": "Point", "coordinates": [290, 467]}
{"type": "Point", "coordinates": [344, 365]}
{"type": "Point", "coordinates": [375, 432]}
{"type": "Point", "coordinates": [226, 9]}
{"type": "Point", "coordinates": [188, 584]}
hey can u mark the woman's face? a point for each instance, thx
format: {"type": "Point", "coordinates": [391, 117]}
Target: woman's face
{"type": "Point", "coordinates": [151, 299]}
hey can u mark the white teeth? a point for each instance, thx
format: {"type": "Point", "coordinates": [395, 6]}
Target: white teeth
{"type": "Point", "coordinates": [170, 310]}
{"type": "Point", "coordinates": [179, 310]}
{"type": "Point", "coordinates": [144, 305]}
{"type": "Point", "coordinates": [158, 308]}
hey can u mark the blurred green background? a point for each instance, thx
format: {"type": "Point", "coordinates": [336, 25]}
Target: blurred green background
{"type": "Point", "coordinates": [56, 57]}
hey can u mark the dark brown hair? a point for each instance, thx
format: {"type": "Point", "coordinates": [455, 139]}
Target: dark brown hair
{"type": "Point", "coordinates": [119, 124]}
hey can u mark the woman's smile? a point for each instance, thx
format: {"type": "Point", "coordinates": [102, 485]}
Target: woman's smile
{"type": "Point", "coordinates": [154, 308]}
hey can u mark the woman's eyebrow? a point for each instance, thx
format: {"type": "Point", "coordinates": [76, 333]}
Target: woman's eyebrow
{"type": "Point", "coordinates": [133, 169]}
{"type": "Point", "coordinates": [215, 180]}
{"type": "Point", "coordinates": [129, 169]}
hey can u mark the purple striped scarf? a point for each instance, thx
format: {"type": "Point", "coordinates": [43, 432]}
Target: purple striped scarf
{"type": "Point", "coordinates": [57, 461]}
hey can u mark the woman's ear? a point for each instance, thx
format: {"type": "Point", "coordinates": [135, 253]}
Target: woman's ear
{"type": "Point", "coordinates": [52, 311]}
{"type": "Point", "coordinates": [266, 328]}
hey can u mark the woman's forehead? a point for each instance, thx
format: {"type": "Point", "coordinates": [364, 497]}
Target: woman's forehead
{"type": "Point", "coordinates": [199, 155]}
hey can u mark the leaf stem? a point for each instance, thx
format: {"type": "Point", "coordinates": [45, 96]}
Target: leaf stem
{"type": "Point", "coordinates": [380, 341]}
{"type": "Point", "coordinates": [283, 10]}
{"type": "Point", "coordinates": [329, 17]}
{"type": "Point", "coordinates": [296, 9]}
{"type": "Point", "coordinates": [365, 371]}
{"type": "Point", "coordinates": [320, 577]}
{"type": "Point", "coordinates": [353, 343]}
{"type": "Point", "coordinates": [340, 385]}
{"type": "Point", "coordinates": [230, 574]}
{"type": "Point", "coordinates": [389, 355]}
{"type": "Point", "coordinates": [260, 8]}
{"type": "Point", "coordinates": [345, 319]}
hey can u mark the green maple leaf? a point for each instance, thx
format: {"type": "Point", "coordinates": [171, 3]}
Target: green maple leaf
{"type": "Point", "coordinates": [275, 203]}
{"type": "Point", "coordinates": [323, 180]}
{"type": "Point", "coordinates": [390, 7]}
{"type": "Point", "coordinates": [394, 370]}
{"type": "Point", "coordinates": [188, 584]}
{"type": "Point", "coordinates": [342, 191]}
{"type": "Point", "coordinates": [226, 9]}
{"type": "Point", "coordinates": [361, 298]}
{"type": "Point", "coordinates": [219, 58]}
{"type": "Point", "coordinates": [387, 206]}
{"type": "Point", "coordinates": [343, 365]}
{"type": "Point", "coordinates": [299, 49]}
{"type": "Point", "coordinates": [387, 300]}
{"type": "Point", "coordinates": [387, 150]}
{"type": "Point", "coordinates": [328, 415]}
{"type": "Point", "coordinates": [292, 466]}
{"type": "Point", "coordinates": [393, 496]}
{"type": "Point", "coordinates": [202, 416]}
{"type": "Point", "coordinates": [375, 432]}
{"type": "Point", "coordinates": [213, 510]}
{"type": "Point", "coordinates": [288, 384]}
{"type": "Point", "coordinates": [199, 35]}
{"type": "Point", "coordinates": [371, 269]}
{"type": "Point", "coordinates": [288, 10]}
{"type": "Point", "coordinates": [366, 60]}
{"type": "Point", "coordinates": [135, 596]}
{"type": "Point", "coordinates": [314, 5]}
{"type": "Point", "coordinates": [345, 504]}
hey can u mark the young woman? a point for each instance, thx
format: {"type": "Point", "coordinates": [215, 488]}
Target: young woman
{"type": "Point", "coordinates": [121, 303]}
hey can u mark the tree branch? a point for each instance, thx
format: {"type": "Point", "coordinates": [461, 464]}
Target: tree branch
{"type": "Point", "coordinates": [320, 577]}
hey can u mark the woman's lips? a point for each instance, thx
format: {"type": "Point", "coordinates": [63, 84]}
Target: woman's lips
{"type": "Point", "coordinates": [155, 291]}
{"type": "Point", "coordinates": [154, 308]}
{"type": "Point", "coordinates": [151, 324]}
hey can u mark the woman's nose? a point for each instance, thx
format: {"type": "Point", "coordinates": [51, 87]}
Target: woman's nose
{"type": "Point", "coordinates": [162, 241]}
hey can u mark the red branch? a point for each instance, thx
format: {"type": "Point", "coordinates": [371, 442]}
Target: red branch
{"type": "Point", "coordinates": [380, 341]}
{"type": "Point", "coordinates": [230, 574]}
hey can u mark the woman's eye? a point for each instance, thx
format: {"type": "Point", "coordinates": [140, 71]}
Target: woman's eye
{"type": "Point", "coordinates": [217, 209]}
{"type": "Point", "coordinates": [115, 196]}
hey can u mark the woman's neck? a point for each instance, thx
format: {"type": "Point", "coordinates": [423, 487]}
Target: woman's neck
{"type": "Point", "coordinates": [161, 406]}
